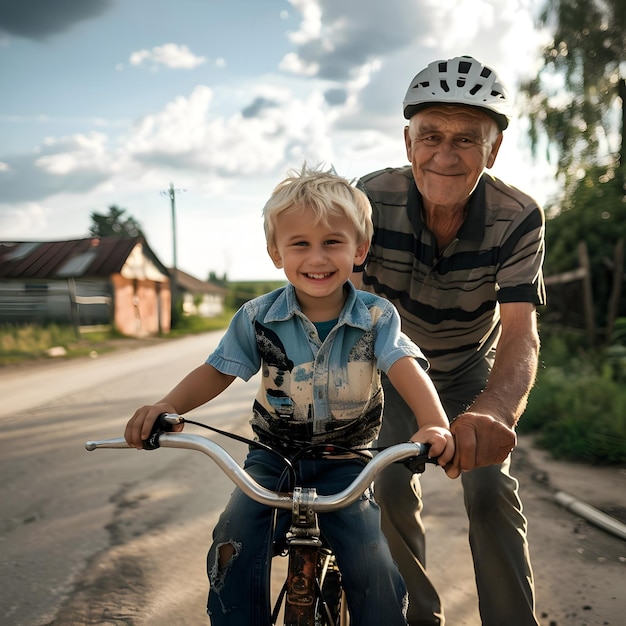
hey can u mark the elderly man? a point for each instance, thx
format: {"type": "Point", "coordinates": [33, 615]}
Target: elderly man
{"type": "Point", "coordinates": [460, 254]}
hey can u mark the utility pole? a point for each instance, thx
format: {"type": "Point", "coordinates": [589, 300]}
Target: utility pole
{"type": "Point", "coordinates": [171, 192]}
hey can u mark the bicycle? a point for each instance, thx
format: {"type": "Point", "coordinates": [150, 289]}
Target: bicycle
{"type": "Point", "coordinates": [312, 594]}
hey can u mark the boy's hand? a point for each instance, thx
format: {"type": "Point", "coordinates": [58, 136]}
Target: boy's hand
{"type": "Point", "coordinates": [140, 424]}
{"type": "Point", "coordinates": [441, 444]}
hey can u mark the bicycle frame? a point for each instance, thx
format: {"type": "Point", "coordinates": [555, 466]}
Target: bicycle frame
{"type": "Point", "coordinates": [302, 588]}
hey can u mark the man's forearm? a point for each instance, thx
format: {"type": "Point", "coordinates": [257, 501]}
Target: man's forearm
{"type": "Point", "coordinates": [512, 376]}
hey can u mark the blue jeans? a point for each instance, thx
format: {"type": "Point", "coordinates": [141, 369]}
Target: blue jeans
{"type": "Point", "coordinates": [239, 592]}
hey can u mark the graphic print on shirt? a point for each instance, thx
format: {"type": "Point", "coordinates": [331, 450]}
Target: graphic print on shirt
{"type": "Point", "coordinates": [341, 412]}
{"type": "Point", "coordinates": [276, 366]}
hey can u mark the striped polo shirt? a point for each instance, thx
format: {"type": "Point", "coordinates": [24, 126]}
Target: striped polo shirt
{"type": "Point", "coordinates": [449, 299]}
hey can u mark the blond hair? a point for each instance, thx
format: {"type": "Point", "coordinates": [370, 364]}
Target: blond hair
{"type": "Point", "coordinates": [324, 193]}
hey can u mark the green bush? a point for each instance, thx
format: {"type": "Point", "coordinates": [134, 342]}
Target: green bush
{"type": "Point", "coordinates": [578, 404]}
{"type": "Point", "coordinates": [578, 417]}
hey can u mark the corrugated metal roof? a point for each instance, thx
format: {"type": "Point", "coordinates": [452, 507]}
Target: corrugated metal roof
{"type": "Point", "coordinates": [89, 257]}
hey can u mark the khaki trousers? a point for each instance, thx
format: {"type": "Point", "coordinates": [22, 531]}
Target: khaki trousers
{"type": "Point", "coordinates": [497, 527]}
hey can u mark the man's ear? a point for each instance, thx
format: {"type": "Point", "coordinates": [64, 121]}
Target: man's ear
{"type": "Point", "coordinates": [491, 159]}
{"type": "Point", "coordinates": [275, 256]}
{"type": "Point", "coordinates": [407, 144]}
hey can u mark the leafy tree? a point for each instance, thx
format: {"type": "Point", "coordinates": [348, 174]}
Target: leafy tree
{"type": "Point", "coordinates": [114, 225]}
{"type": "Point", "coordinates": [578, 98]}
{"type": "Point", "coordinates": [213, 278]}
{"type": "Point", "coordinates": [577, 102]}
{"type": "Point", "coordinates": [596, 214]}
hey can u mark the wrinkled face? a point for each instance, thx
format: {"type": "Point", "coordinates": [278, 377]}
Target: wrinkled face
{"type": "Point", "coordinates": [317, 258]}
{"type": "Point", "coordinates": [448, 148]}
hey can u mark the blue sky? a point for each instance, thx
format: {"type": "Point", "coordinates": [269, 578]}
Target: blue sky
{"type": "Point", "coordinates": [108, 101]}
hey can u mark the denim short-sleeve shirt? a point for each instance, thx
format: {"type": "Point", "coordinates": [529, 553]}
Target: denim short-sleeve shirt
{"type": "Point", "coordinates": [315, 391]}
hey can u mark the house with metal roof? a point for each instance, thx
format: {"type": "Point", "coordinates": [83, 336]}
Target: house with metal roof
{"type": "Point", "coordinates": [112, 281]}
{"type": "Point", "coordinates": [199, 297]}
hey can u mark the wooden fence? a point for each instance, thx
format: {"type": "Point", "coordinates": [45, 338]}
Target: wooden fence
{"type": "Point", "coordinates": [583, 274]}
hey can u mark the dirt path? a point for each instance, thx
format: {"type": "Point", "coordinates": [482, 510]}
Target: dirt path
{"type": "Point", "coordinates": [579, 569]}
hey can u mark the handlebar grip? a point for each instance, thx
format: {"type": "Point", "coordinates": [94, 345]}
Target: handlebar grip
{"type": "Point", "coordinates": [161, 425]}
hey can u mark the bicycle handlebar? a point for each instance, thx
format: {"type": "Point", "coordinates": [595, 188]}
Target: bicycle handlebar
{"type": "Point", "coordinates": [321, 503]}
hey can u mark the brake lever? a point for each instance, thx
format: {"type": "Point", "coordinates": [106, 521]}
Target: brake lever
{"type": "Point", "coordinates": [417, 464]}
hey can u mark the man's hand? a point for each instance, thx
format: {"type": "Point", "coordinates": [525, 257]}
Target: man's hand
{"type": "Point", "coordinates": [480, 440]}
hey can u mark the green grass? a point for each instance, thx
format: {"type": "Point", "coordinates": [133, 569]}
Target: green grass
{"type": "Point", "coordinates": [193, 324]}
{"type": "Point", "coordinates": [31, 343]}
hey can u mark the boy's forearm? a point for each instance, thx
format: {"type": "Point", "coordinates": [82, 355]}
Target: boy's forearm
{"type": "Point", "coordinates": [418, 391]}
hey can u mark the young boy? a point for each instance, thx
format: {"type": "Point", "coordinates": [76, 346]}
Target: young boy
{"type": "Point", "coordinates": [320, 344]}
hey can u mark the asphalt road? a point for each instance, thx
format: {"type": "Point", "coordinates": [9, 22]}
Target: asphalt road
{"type": "Point", "coordinates": [120, 536]}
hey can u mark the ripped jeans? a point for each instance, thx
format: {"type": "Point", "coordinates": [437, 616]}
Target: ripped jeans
{"type": "Point", "coordinates": [239, 584]}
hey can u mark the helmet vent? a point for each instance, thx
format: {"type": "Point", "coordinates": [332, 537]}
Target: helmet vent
{"type": "Point", "coordinates": [444, 85]}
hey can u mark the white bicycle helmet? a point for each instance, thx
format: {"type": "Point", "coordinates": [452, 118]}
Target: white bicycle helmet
{"type": "Point", "coordinates": [462, 80]}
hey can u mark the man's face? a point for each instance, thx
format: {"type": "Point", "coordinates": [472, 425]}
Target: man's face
{"type": "Point", "coordinates": [449, 147]}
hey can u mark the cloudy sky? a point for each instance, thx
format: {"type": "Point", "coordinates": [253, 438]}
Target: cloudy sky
{"type": "Point", "coordinates": [109, 101]}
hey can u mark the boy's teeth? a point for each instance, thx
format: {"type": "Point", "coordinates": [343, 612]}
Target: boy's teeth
{"type": "Point", "coordinates": [318, 275]}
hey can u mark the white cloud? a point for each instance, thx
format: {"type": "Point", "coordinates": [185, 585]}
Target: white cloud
{"type": "Point", "coordinates": [311, 25]}
{"type": "Point", "coordinates": [169, 55]}
{"type": "Point", "coordinates": [335, 39]}
{"type": "Point", "coordinates": [338, 38]}
{"type": "Point", "coordinates": [188, 135]}
{"type": "Point", "coordinates": [32, 220]}
{"type": "Point", "coordinates": [295, 65]}
{"type": "Point", "coordinates": [67, 155]}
